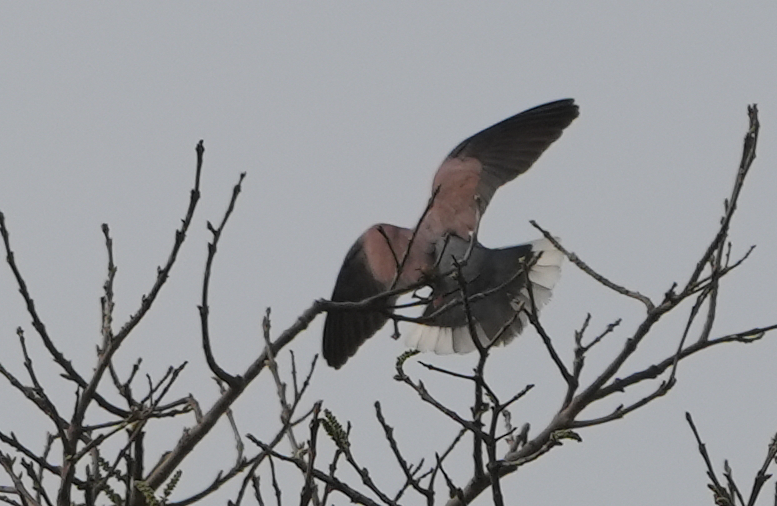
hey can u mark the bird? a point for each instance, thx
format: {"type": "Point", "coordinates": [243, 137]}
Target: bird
{"type": "Point", "coordinates": [443, 248]}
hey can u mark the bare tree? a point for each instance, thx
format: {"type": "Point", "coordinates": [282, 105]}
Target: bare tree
{"type": "Point", "coordinates": [77, 465]}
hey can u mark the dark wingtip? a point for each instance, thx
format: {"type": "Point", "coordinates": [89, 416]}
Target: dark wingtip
{"type": "Point", "coordinates": [345, 331]}
{"type": "Point", "coordinates": [333, 356]}
{"type": "Point", "coordinates": [566, 105]}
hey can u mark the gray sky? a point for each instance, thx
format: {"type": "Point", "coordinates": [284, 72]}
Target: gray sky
{"type": "Point", "coordinates": [340, 113]}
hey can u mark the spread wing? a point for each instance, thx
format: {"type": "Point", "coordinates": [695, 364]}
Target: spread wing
{"type": "Point", "coordinates": [491, 158]}
{"type": "Point", "coordinates": [368, 270]}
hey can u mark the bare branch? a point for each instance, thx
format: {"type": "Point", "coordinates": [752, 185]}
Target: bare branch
{"type": "Point", "coordinates": [595, 275]}
{"type": "Point", "coordinates": [209, 419]}
{"type": "Point", "coordinates": [235, 432]}
{"type": "Point", "coordinates": [565, 374]}
{"type": "Point", "coordinates": [427, 397]}
{"type": "Point", "coordinates": [748, 156]}
{"type": "Point", "coordinates": [204, 308]}
{"type": "Point", "coordinates": [37, 323]}
{"type": "Point", "coordinates": [761, 477]}
{"type": "Point", "coordinates": [717, 488]}
{"type": "Point", "coordinates": [428, 493]}
{"type": "Point", "coordinates": [406, 255]}
{"type": "Point", "coordinates": [309, 491]}
{"type": "Point", "coordinates": [37, 485]}
{"type": "Point", "coordinates": [622, 411]}
{"type": "Point", "coordinates": [14, 443]}
{"type": "Point", "coordinates": [330, 481]}
{"type": "Point", "coordinates": [7, 463]}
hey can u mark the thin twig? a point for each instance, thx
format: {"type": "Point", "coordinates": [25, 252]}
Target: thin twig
{"type": "Point", "coordinates": [400, 267]}
{"type": "Point", "coordinates": [388, 431]}
{"type": "Point", "coordinates": [209, 419]}
{"type": "Point", "coordinates": [7, 464]}
{"type": "Point", "coordinates": [717, 488]}
{"type": "Point", "coordinates": [204, 308]}
{"type": "Point", "coordinates": [748, 156]}
{"type": "Point", "coordinates": [70, 371]}
{"type": "Point", "coordinates": [330, 481]}
{"type": "Point", "coordinates": [592, 273]}
{"type": "Point", "coordinates": [761, 477]}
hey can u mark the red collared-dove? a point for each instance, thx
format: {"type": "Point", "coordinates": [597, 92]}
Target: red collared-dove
{"type": "Point", "coordinates": [446, 234]}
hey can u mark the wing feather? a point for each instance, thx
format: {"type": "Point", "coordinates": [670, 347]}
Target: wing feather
{"type": "Point", "coordinates": [368, 270]}
{"type": "Point", "coordinates": [502, 152]}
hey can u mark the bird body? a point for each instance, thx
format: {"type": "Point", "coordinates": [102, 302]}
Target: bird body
{"type": "Point", "coordinates": [506, 282]}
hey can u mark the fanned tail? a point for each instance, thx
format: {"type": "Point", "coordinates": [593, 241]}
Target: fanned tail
{"type": "Point", "coordinates": [501, 314]}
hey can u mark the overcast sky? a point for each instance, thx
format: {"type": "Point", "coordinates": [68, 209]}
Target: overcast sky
{"type": "Point", "coordinates": [340, 112]}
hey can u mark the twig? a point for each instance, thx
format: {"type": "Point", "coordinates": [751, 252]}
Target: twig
{"type": "Point", "coordinates": [453, 490]}
{"type": "Point", "coordinates": [428, 493]}
{"type": "Point", "coordinates": [257, 491]}
{"type": "Point", "coordinates": [761, 477]}
{"type": "Point", "coordinates": [203, 308]}
{"type": "Point", "coordinates": [478, 405]}
{"type": "Point", "coordinates": [233, 425]}
{"type": "Point", "coordinates": [406, 255]}
{"type": "Point", "coordinates": [428, 398]}
{"type": "Point", "coordinates": [619, 385]}
{"type": "Point", "coordinates": [223, 478]}
{"type": "Point", "coordinates": [36, 394]}
{"type": "Point", "coordinates": [364, 474]}
{"type": "Point", "coordinates": [330, 481]}
{"type": "Point", "coordinates": [309, 488]}
{"type": "Point", "coordinates": [733, 490]}
{"type": "Point", "coordinates": [717, 488]}
{"type": "Point", "coordinates": [7, 463]}
{"type": "Point", "coordinates": [106, 301]}
{"type": "Point", "coordinates": [280, 386]}
{"type": "Point", "coordinates": [565, 374]}
{"type": "Point", "coordinates": [275, 486]}
{"type": "Point", "coordinates": [748, 156]}
{"type": "Point", "coordinates": [209, 419]}
{"type": "Point", "coordinates": [37, 485]}
{"type": "Point", "coordinates": [90, 389]}
{"type": "Point", "coordinates": [70, 372]}
{"type": "Point", "coordinates": [592, 273]}
{"type": "Point", "coordinates": [622, 411]}
{"type": "Point", "coordinates": [14, 443]}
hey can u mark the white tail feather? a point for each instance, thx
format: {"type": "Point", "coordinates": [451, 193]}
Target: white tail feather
{"type": "Point", "coordinates": [550, 255]}
{"type": "Point", "coordinates": [443, 340]}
